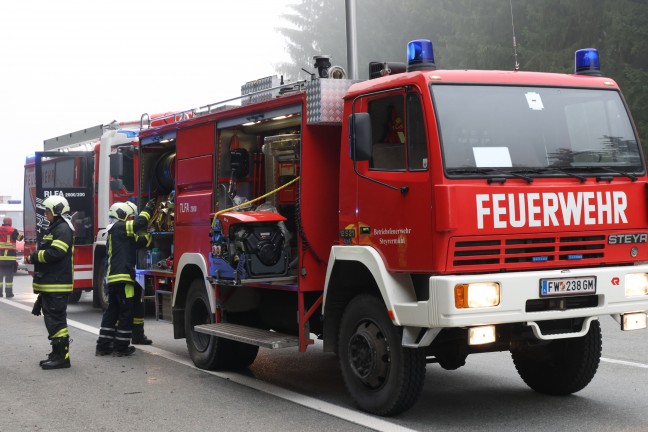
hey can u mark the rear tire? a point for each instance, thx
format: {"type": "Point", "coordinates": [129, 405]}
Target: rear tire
{"type": "Point", "coordinates": [100, 293]}
{"type": "Point", "coordinates": [561, 367]}
{"type": "Point", "coordinates": [75, 296]}
{"type": "Point", "coordinates": [382, 377]}
{"type": "Point", "coordinates": [211, 352]}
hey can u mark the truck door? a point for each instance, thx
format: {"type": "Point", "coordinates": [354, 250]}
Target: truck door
{"type": "Point", "coordinates": [397, 224]}
{"type": "Point", "coordinates": [69, 174]}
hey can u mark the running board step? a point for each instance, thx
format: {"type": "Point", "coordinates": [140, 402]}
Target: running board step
{"type": "Point", "coordinates": [249, 335]}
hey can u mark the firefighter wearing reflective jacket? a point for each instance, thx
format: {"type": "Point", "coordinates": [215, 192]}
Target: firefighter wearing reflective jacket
{"type": "Point", "coordinates": [53, 279]}
{"type": "Point", "coordinates": [138, 337]}
{"type": "Point", "coordinates": [116, 325]}
{"type": "Point", "coordinates": [8, 238]}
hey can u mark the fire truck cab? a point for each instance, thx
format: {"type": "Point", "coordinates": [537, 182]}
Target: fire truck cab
{"type": "Point", "coordinates": [418, 217]}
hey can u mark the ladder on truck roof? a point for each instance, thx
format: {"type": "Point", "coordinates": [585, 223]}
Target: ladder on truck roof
{"type": "Point", "coordinates": [82, 137]}
{"type": "Point", "coordinates": [74, 139]}
{"type": "Point", "coordinates": [250, 94]}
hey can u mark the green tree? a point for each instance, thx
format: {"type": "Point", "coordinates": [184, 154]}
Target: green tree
{"type": "Point", "coordinates": [478, 34]}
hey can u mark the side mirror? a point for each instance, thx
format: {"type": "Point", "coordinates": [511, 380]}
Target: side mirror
{"type": "Point", "coordinates": [116, 185]}
{"type": "Point", "coordinates": [360, 138]}
{"type": "Point", "coordinates": [116, 165]}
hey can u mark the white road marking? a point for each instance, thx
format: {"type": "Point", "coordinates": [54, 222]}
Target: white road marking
{"type": "Point", "coordinates": [625, 363]}
{"type": "Point", "coordinates": [349, 415]}
{"type": "Point", "coordinates": [346, 414]}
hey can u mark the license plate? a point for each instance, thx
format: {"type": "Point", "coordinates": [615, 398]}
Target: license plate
{"type": "Point", "coordinates": [567, 286]}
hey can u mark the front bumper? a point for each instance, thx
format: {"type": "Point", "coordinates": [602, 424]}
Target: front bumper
{"type": "Point", "coordinates": [439, 311]}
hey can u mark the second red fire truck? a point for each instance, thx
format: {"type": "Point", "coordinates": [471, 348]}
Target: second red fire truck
{"type": "Point", "coordinates": [417, 217]}
{"type": "Point", "coordinates": [76, 166]}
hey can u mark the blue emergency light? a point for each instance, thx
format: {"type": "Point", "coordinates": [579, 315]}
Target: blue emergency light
{"type": "Point", "coordinates": [128, 133]}
{"type": "Point", "coordinates": [420, 55]}
{"type": "Point", "coordinates": [587, 62]}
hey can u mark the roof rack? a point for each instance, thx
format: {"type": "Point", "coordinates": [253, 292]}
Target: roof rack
{"type": "Point", "coordinates": [145, 121]}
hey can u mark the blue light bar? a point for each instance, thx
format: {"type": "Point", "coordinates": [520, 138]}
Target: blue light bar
{"type": "Point", "coordinates": [420, 55]}
{"type": "Point", "coordinates": [575, 257]}
{"type": "Point", "coordinates": [128, 133]}
{"type": "Point", "coordinates": [587, 62]}
{"type": "Point", "coordinates": [540, 258]}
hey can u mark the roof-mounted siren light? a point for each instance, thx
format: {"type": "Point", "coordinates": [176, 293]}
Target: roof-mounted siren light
{"type": "Point", "coordinates": [420, 55]}
{"type": "Point", "coordinates": [586, 62]}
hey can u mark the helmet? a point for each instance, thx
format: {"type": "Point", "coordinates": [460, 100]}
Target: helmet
{"type": "Point", "coordinates": [57, 205]}
{"type": "Point", "coordinates": [133, 208]}
{"type": "Point", "coordinates": [120, 211]}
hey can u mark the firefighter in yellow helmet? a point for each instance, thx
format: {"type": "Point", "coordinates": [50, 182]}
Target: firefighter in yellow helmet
{"type": "Point", "coordinates": [117, 321]}
{"type": "Point", "coordinates": [8, 238]}
{"type": "Point", "coordinates": [53, 278]}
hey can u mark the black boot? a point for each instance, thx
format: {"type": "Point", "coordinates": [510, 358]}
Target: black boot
{"type": "Point", "coordinates": [9, 292]}
{"type": "Point", "coordinates": [139, 338]}
{"type": "Point", "coordinates": [49, 356]}
{"type": "Point", "coordinates": [124, 352]}
{"type": "Point", "coordinates": [61, 357]}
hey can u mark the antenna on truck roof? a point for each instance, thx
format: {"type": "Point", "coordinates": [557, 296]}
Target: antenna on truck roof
{"type": "Point", "coordinates": [517, 64]}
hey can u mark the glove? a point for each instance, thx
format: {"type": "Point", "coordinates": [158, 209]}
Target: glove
{"type": "Point", "coordinates": [150, 206]}
{"type": "Point", "coordinates": [37, 306]}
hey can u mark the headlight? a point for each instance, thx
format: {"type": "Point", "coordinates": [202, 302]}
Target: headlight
{"type": "Point", "coordinates": [636, 284]}
{"type": "Point", "coordinates": [477, 295]}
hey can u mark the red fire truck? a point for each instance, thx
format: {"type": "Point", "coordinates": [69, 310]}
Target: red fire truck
{"type": "Point", "coordinates": [417, 217]}
{"type": "Point", "coordinates": [76, 166]}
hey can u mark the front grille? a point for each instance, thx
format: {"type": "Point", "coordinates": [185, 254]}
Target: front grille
{"type": "Point", "coordinates": [505, 253]}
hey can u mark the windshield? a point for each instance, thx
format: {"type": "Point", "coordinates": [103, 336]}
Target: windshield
{"type": "Point", "coordinates": [516, 129]}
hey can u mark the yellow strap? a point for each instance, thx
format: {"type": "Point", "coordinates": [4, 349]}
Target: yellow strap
{"type": "Point", "coordinates": [246, 203]}
{"type": "Point", "coordinates": [129, 290]}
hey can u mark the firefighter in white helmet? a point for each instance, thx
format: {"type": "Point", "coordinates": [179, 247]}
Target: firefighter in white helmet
{"type": "Point", "coordinates": [53, 279]}
{"type": "Point", "coordinates": [138, 336]}
{"type": "Point", "coordinates": [116, 325]}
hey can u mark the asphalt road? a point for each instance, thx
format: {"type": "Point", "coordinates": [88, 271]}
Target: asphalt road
{"type": "Point", "coordinates": [158, 389]}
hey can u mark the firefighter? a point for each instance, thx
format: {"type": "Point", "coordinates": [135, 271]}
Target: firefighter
{"type": "Point", "coordinates": [53, 279]}
{"type": "Point", "coordinates": [8, 238]}
{"type": "Point", "coordinates": [138, 336]}
{"type": "Point", "coordinates": [117, 322]}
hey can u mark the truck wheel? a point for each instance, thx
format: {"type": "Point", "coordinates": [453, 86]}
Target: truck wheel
{"type": "Point", "coordinates": [100, 293]}
{"type": "Point", "coordinates": [75, 296]}
{"type": "Point", "coordinates": [562, 366]}
{"type": "Point", "coordinates": [211, 352]}
{"type": "Point", "coordinates": [382, 377]}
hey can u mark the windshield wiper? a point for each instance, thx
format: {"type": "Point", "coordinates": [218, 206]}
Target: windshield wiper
{"type": "Point", "coordinates": [621, 173]}
{"type": "Point", "coordinates": [491, 171]}
{"type": "Point", "coordinates": [582, 178]}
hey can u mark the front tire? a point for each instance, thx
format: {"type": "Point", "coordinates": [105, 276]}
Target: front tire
{"type": "Point", "coordinates": [562, 366]}
{"type": "Point", "coordinates": [211, 352]}
{"type": "Point", "coordinates": [382, 377]}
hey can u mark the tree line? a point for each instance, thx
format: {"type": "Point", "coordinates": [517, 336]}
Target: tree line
{"type": "Point", "coordinates": [478, 34]}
